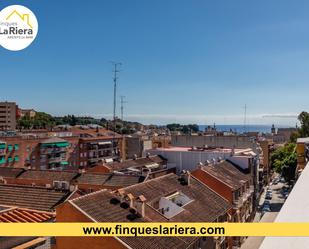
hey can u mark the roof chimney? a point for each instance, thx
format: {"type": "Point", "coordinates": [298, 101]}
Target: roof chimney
{"type": "Point", "coordinates": [142, 210]}
{"type": "Point", "coordinates": [134, 157]}
{"type": "Point", "coordinates": [200, 165]}
{"type": "Point", "coordinates": [131, 198]}
{"type": "Point", "coordinates": [185, 177]}
{"type": "Point", "coordinates": [147, 154]}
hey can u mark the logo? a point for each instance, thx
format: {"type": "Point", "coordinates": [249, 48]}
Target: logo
{"type": "Point", "coordinates": [18, 27]}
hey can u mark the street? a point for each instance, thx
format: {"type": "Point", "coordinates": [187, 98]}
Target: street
{"type": "Point", "coordinates": [276, 203]}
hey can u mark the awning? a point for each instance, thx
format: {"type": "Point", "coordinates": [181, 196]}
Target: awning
{"type": "Point", "coordinates": [60, 144]}
{"type": "Point", "coordinates": [105, 142]}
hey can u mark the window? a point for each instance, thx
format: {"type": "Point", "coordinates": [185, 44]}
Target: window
{"type": "Point", "coordinates": [16, 146]}
{"type": "Point", "coordinates": [16, 158]}
{"type": "Point", "coordinates": [10, 147]}
{"type": "Point", "coordinates": [10, 159]}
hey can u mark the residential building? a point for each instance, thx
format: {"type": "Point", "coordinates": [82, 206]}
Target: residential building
{"type": "Point", "coordinates": [136, 146]}
{"type": "Point", "coordinates": [302, 149]}
{"type": "Point", "coordinates": [267, 146]}
{"type": "Point", "coordinates": [168, 198]}
{"type": "Point", "coordinates": [30, 113]}
{"type": "Point", "coordinates": [76, 148]}
{"type": "Point", "coordinates": [235, 186]}
{"type": "Point", "coordinates": [8, 115]}
{"type": "Point", "coordinates": [237, 142]}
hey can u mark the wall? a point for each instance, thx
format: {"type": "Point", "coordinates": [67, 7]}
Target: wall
{"type": "Point", "coordinates": [215, 141]}
{"type": "Point", "coordinates": [67, 213]}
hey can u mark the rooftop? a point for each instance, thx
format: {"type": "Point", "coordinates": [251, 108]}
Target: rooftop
{"type": "Point", "coordinates": [139, 162]}
{"type": "Point", "coordinates": [15, 214]}
{"type": "Point", "coordinates": [10, 172]}
{"type": "Point", "coordinates": [201, 204]}
{"type": "Point", "coordinates": [109, 179]}
{"type": "Point", "coordinates": [36, 198]}
{"type": "Point", "coordinates": [48, 175]}
{"type": "Point", "coordinates": [226, 172]}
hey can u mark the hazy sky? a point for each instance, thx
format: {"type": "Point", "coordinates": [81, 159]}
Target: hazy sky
{"type": "Point", "coordinates": [186, 61]}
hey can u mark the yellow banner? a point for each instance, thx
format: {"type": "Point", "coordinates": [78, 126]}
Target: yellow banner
{"type": "Point", "coordinates": [154, 229]}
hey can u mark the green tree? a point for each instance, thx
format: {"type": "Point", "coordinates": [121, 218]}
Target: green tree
{"type": "Point", "coordinates": [304, 122]}
{"type": "Point", "coordinates": [284, 161]}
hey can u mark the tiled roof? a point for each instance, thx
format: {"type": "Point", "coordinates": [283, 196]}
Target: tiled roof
{"type": "Point", "coordinates": [10, 172]}
{"type": "Point", "coordinates": [48, 175]}
{"type": "Point", "coordinates": [206, 206]}
{"type": "Point", "coordinates": [139, 162]}
{"type": "Point", "coordinates": [36, 198]}
{"type": "Point", "coordinates": [109, 179]}
{"type": "Point", "coordinates": [226, 172]}
{"type": "Point", "coordinates": [15, 214]}
{"type": "Point", "coordinates": [97, 206]}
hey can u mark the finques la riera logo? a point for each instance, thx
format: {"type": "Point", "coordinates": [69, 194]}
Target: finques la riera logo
{"type": "Point", "coordinates": [18, 27]}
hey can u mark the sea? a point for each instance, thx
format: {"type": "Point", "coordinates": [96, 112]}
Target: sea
{"type": "Point", "coordinates": [242, 128]}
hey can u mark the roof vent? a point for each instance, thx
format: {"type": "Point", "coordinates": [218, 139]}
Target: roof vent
{"type": "Point", "coordinates": [124, 205]}
{"type": "Point", "coordinates": [132, 217]}
{"type": "Point", "coordinates": [114, 201]}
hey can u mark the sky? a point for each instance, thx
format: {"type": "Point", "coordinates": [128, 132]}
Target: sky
{"type": "Point", "coordinates": [186, 61]}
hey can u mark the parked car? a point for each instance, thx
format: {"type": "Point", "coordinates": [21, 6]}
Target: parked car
{"type": "Point", "coordinates": [266, 208]}
{"type": "Point", "coordinates": [268, 196]}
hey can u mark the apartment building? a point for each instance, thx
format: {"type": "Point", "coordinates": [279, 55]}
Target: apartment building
{"type": "Point", "coordinates": [136, 146]}
{"type": "Point", "coordinates": [169, 198]}
{"type": "Point", "coordinates": [235, 186]}
{"type": "Point", "coordinates": [8, 115]}
{"type": "Point", "coordinates": [72, 149]}
{"type": "Point", "coordinates": [302, 149]}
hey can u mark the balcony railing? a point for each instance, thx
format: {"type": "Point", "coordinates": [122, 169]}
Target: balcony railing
{"type": "Point", "coordinates": [238, 203]}
{"type": "Point", "coordinates": [53, 150]}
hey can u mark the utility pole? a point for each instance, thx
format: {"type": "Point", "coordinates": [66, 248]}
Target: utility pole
{"type": "Point", "coordinates": [122, 102]}
{"type": "Point", "coordinates": [115, 71]}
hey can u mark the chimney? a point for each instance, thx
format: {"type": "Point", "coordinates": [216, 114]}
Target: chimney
{"type": "Point", "coordinates": [131, 198]}
{"type": "Point", "coordinates": [134, 157]}
{"type": "Point", "coordinates": [200, 165]}
{"type": "Point", "coordinates": [142, 199]}
{"type": "Point", "coordinates": [121, 192]}
{"type": "Point", "coordinates": [185, 177]}
{"type": "Point", "coordinates": [147, 154]}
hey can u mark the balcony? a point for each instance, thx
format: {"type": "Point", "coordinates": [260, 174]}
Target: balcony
{"type": "Point", "coordinates": [238, 203]}
{"type": "Point", "coordinates": [52, 150]}
{"type": "Point", "coordinates": [55, 160]}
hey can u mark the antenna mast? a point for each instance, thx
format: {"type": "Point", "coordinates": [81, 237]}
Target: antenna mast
{"type": "Point", "coordinates": [245, 119]}
{"type": "Point", "coordinates": [115, 71]}
{"type": "Point", "coordinates": [122, 105]}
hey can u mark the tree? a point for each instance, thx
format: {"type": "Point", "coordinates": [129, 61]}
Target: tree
{"type": "Point", "coordinates": [304, 122]}
{"type": "Point", "coordinates": [284, 161]}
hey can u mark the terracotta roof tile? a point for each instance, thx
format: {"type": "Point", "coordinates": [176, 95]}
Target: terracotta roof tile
{"type": "Point", "coordinates": [48, 175]}
{"type": "Point", "coordinates": [42, 199]}
{"type": "Point", "coordinates": [226, 172]}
